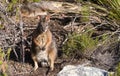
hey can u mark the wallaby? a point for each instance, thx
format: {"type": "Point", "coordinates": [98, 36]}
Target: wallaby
{"type": "Point", "coordinates": [44, 48]}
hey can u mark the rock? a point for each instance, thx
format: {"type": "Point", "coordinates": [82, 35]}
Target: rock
{"type": "Point", "coordinates": [79, 70]}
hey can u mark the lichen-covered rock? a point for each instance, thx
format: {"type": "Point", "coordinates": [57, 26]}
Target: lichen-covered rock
{"type": "Point", "coordinates": [79, 70]}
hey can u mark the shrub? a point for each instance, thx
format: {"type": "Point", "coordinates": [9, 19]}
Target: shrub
{"type": "Point", "coordinates": [79, 44]}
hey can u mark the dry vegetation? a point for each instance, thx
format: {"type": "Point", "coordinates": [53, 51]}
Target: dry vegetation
{"type": "Point", "coordinates": [93, 35]}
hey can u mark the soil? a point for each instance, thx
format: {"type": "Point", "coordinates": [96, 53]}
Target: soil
{"type": "Point", "coordinates": [16, 68]}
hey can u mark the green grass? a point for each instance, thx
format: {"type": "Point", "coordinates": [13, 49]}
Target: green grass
{"type": "Point", "coordinates": [4, 57]}
{"type": "Point", "coordinates": [78, 44]}
{"type": "Point", "coordinates": [113, 6]}
{"type": "Point", "coordinates": [85, 12]}
{"type": "Point", "coordinates": [11, 5]}
{"type": "Point", "coordinates": [117, 73]}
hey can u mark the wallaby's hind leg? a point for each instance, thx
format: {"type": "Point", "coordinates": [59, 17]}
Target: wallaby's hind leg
{"type": "Point", "coordinates": [35, 63]}
{"type": "Point", "coordinates": [52, 57]}
{"type": "Point", "coordinates": [52, 64]}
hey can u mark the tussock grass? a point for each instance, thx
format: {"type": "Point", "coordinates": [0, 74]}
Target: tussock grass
{"type": "Point", "coordinates": [113, 6]}
{"type": "Point", "coordinates": [79, 44]}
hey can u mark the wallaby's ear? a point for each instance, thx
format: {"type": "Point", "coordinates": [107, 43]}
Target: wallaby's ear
{"type": "Point", "coordinates": [43, 17]}
{"type": "Point", "coordinates": [38, 17]}
{"type": "Point", "coordinates": [47, 18]}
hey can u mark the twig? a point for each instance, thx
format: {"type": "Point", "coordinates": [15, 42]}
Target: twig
{"type": "Point", "coordinates": [22, 39]}
{"type": "Point", "coordinates": [73, 23]}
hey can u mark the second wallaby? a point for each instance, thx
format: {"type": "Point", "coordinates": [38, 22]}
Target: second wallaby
{"type": "Point", "coordinates": [44, 48]}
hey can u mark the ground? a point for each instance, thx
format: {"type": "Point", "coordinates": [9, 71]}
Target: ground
{"type": "Point", "coordinates": [18, 68]}
{"type": "Point", "coordinates": [26, 69]}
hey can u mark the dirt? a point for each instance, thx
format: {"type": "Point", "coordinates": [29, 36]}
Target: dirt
{"type": "Point", "coordinates": [16, 68]}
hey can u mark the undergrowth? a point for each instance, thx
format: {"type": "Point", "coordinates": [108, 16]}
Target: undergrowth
{"type": "Point", "coordinates": [79, 44]}
{"type": "Point", "coordinates": [117, 72]}
{"type": "Point", "coordinates": [13, 5]}
{"type": "Point", "coordinates": [3, 61]}
{"type": "Point", "coordinates": [112, 7]}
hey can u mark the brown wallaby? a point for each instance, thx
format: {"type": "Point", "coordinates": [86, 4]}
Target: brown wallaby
{"type": "Point", "coordinates": [44, 48]}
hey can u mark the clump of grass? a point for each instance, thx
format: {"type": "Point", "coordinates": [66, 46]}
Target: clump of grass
{"type": "Point", "coordinates": [117, 73]}
{"type": "Point", "coordinates": [79, 44]}
{"type": "Point", "coordinates": [11, 5]}
{"type": "Point", "coordinates": [113, 7]}
{"type": "Point", "coordinates": [85, 12]}
{"type": "Point", "coordinates": [3, 61]}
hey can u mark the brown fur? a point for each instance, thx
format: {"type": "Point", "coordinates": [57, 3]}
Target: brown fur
{"type": "Point", "coordinates": [43, 45]}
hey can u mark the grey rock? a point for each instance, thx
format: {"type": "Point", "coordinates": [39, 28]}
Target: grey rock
{"type": "Point", "coordinates": [79, 70]}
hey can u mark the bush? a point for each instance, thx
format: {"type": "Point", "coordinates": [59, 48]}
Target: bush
{"type": "Point", "coordinates": [79, 44]}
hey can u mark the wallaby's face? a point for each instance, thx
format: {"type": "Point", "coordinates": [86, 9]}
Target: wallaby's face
{"type": "Point", "coordinates": [44, 21]}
